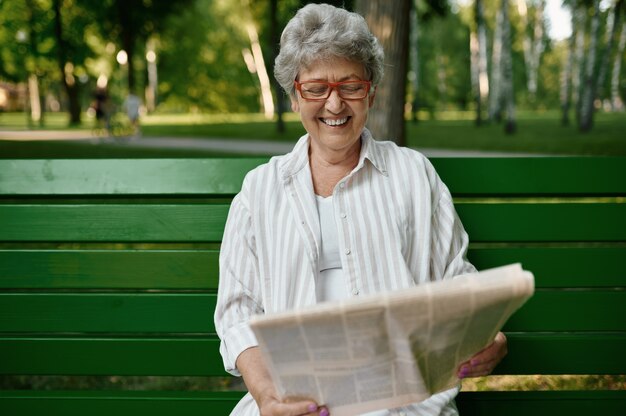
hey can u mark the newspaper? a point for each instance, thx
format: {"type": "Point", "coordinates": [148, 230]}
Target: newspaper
{"type": "Point", "coordinates": [390, 349]}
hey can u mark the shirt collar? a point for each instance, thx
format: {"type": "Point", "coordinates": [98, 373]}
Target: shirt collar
{"type": "Point", "coordinates": [298, 158]}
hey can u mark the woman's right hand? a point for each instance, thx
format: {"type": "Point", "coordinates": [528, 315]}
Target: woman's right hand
{"type": "Point", "coordinates": [272, 406]}
{"type": "Point", "coordinates": [257, 378]}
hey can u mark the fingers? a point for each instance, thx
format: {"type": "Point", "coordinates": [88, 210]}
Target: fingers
{"type": "Point", "coordinates": [294, 408]}
{"type": "Point", "coordinates": [486, 360]}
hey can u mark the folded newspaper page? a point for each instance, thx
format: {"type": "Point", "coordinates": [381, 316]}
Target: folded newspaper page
{"type": "Point", "coordinates": [387, 350]}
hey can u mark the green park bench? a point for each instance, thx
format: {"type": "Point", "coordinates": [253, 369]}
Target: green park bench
{"type": "Point", "coordinates": [110, 268]}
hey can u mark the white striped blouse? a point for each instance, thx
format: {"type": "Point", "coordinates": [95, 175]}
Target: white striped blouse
{"type": "Point", "coordinates": [397, 228]}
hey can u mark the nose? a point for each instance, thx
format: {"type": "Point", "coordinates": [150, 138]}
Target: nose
{"type": "Point", "coordinates": [334, 103]}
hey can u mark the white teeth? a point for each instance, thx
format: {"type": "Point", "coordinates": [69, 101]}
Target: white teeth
{"type": "Point", "coordinates": [338, 122]}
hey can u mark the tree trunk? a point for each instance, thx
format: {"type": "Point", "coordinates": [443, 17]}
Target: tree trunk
{"type": "Point", "coordinates": [566, 80]}
{"type": "Point", "coordinates": [479, 59]}
{"type": "Point", "coordinates": [275, 40]}
{"type": "Point", "coordinates": [495, 94]}
{"type": "Point", "coordinates": [66, 68]}
{"type": "Point", "coordinates": [414, 74]}
{"type": "Point", "coordinates": [611, 33]}
{"type": "Point", "coordinates": [129, 38]}
{"type": "Point", "coordinates": [588, 94]}
{"type": "Point", "coordinates": [389, 21]}
{"type": "Point", "coordinates": [508, 92]}
{"type": "Point", "coordinates": [533, 45]}
{"type": "Point", "coordinates": [616, 101]}
{"type": "Point", "coordinates": [579, 18]}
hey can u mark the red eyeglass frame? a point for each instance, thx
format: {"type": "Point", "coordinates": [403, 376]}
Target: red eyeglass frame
{"type": "Point", "coordinates": [332, 86]}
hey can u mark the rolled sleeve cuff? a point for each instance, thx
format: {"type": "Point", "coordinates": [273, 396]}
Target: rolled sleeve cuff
{"type": "Point", "coordinates": [236, 340]}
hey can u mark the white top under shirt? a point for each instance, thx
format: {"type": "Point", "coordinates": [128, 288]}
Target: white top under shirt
{"type": "Point", "coordinates": [330, 283]}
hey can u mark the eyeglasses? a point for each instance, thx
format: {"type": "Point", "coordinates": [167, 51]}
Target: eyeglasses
{"type": "Point", "coordinates": [320, 90]}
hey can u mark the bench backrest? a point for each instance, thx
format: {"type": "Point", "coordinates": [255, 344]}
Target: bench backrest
{"type": "Point", "coordinates": [110, 267]}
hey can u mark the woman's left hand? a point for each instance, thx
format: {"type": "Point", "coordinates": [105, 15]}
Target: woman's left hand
{"type": "Point", "coordinates": [486, 360]}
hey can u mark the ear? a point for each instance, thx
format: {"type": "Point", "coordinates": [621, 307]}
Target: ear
{"type": "Point", "coordinates": [371, 97]}
{"type": "Point", "coordinates": [295, 106]}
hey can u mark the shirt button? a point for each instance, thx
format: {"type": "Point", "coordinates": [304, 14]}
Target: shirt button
{"type": "Point", "coordinates": [348, 251]}
{"type": "Point", "coordinates": [355, 291]}
{"type": "Point", "coordinates": [343, 215]}
{"type": "Point", "coordinates": [342, 185]}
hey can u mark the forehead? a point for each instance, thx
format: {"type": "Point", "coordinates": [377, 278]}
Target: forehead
{"type": "Point", "coordinates": [333, 69]}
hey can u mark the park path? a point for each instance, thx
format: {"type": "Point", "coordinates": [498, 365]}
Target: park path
{"type": "Point", "coordinates": [238, 146]}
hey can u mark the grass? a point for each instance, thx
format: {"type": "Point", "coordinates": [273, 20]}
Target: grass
{"type": "Point", "coordinates": [537, 133]}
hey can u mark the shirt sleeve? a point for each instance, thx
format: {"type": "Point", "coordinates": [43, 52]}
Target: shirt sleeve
{"type": "Point", "coordinates": [238, 296]}
{"type": "Point", "coordinates": [449, 239]}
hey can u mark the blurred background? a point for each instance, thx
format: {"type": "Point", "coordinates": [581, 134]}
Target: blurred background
{"type": "Point", "coordinates": [530, 76]}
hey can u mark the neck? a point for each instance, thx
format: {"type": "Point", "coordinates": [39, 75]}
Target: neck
{"type": "Point", "coordinates": [327, 169]}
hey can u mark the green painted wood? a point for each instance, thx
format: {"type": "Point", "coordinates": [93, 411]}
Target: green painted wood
{"type": "Point", "coordinates": [113, 223]}
{"type": "Point", "coordinates": [567, 353]}
{"type": "Point", "coordinates": [483, 222]}
{"type": "Point", "coordinates": [571, 267]}
{"type": "Point", "coordinates": [571, 353]}
{"type": "Point", "coordinates": [534, 175]}
{"type": "Point", "coordinates": [183, 356]}
{"type": "Point", "coordinates": [122, 403]}
{"type": "Point", "coordinates": [547, 310]}
{"type": "Point", "coordinates": [542, 403]}
{"type": "Point", "coordinates": [124, 176]}
{"type": "Point", "coordinates": [197, 269]}
{"type": "Point", "coordinates": [567, 310]}
{"type": "Point", "coordinates": [107, 312]}
{"type": "Point", "coordinates": [119, 403]}
{"type": "Point", "coordinates": [525, 175]}
{"type": "Point", "coordinates": [109, 269]}
{"type": "Point", "coordinates": [543, 222]}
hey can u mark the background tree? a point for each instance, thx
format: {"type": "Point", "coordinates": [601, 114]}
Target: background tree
{"type": "Point", "coordinates": [389, 21]}
{"type": "Point", "coordinates": [587, 96]}
{"type": "Point", "coordinates": [508, 90]}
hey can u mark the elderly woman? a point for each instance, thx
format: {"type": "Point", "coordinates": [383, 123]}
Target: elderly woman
{"type": "Point", "coordinates": [342, 215]}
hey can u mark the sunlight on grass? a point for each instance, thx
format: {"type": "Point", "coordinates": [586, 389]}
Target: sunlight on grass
{"type": "Point", "coordinates": [190, 119]}
{"type": "Point", "coordinates": [543, 382]}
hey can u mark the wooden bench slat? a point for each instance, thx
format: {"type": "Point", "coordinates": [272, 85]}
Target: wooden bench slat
{"type": "Point", "coordinates": [547, 310]}
{"type": "Point", "coordinates": [544, 353]}
{"type": "Point", "coordinates": [477, 176]}
{"type": "Point", "coordinates": [185, 223]}
{"type": "Point", "coordinates": [125, 176]}
{"type": "Point", "coordinates": [544, 222]}
{"type": "Point", "coordinates": [112, 356]}
{"type": "Point", "coordinates": [567, 353]}
{"type": "Point", "coordinates": [113, 223]}
{"type": "Point", "coordinates": [593, 266]}
{"type": "Point", "coordinates": [119, 403]}
{"type": "Point", "coordinates": [541, 403]}
{"type": "Point", "coordinates": [107, 313]}
{"type": "Point", "coordinates": [570, 267]}
{"type": "Point", "coordinates": [109, 269]}
{"type": "Point", "coordinates": [130, 403]}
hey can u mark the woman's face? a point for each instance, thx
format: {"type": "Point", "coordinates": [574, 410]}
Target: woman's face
{"type": "Point", "coordinates": [335, 124]}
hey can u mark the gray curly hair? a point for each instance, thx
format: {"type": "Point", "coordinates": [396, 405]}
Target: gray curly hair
{"type": "Point", "coordinates": [322, 31]}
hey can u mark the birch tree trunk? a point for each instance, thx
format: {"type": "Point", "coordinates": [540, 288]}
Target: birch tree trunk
{"type": "Point", "coordinates": [566, 80]}
{"type": "Point", "coordinates": [588, 93]}
{"type": "Point", "coordinates": [611, 33]}
{"type": "Point", "coordinates": [414, 74]}
{"type": "Point", "coordinates": [495, 94]}
{"type": "Point", "coordinates": [478, 47]}
{"type": "Point", "coordinates": [533, 45]}
{"type": "Point", "coordinates": [579, 20]}
{"type": "Point", "coordinates": [389, 21]}
{"type": "Point", "coordinates": [508, 91]}
{"type": "Point", "coordinates": [616, 101]}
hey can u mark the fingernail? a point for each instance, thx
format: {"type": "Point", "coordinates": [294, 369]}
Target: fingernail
{"type": "Point", "coordinates": [312, 407]}
{"type": "Point", "coordinates": [324, 412]}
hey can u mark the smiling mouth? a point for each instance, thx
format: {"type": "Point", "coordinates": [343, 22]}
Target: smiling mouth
{"type": "Point", "coordinates": [335, 122]}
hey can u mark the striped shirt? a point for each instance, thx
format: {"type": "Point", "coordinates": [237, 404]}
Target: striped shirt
{"type": "Point", "coordinates": [397, 228]}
